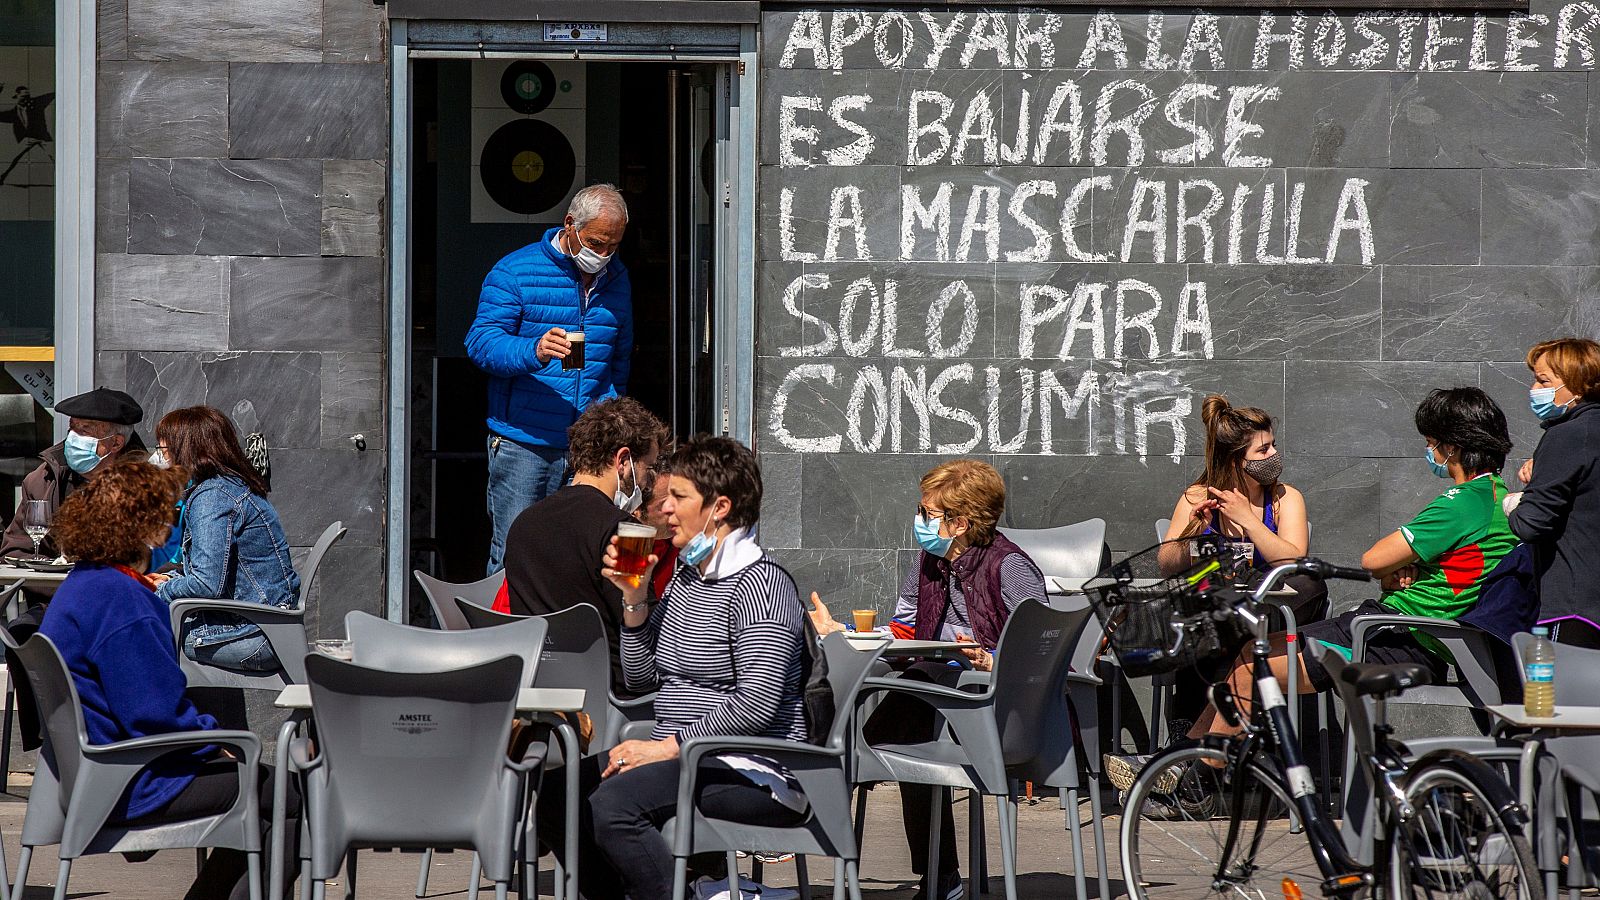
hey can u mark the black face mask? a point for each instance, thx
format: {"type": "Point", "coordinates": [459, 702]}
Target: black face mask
{"type": "Point", "coordinates": [1265, 471]}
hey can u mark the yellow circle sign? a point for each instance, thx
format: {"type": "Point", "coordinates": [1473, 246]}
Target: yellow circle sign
{"type": "Point", "coordinates": [527, 166]}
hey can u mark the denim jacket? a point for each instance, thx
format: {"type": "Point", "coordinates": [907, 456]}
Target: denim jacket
{"type": "Point", "coordinates": [234, 548]}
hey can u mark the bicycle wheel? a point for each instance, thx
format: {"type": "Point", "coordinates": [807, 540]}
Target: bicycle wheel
{"type": "Point", "coordinates": [1175, 828]}
{"type": "Point", "coordinates": [1457, 845]}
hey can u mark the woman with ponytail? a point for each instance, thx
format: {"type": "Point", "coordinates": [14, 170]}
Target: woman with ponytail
{"type": "Point", "coordinates": [1241, 496]}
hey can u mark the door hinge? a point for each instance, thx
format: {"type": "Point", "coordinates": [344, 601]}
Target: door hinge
{"type": "Point", "coordinates": [741, 67]}
{"type": "Point", "coordinates": [727, 193]}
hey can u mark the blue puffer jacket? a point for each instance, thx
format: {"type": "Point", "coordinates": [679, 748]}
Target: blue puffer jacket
{"type": "Point", "coordinates": [525, 295]}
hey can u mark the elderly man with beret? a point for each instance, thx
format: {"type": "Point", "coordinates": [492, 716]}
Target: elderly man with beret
{"type": "Point", "coordinates": [101, 428]}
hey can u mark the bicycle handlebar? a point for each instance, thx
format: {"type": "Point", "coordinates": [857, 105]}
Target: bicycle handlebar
{"type": "Point", "coordinates": [1306, 565]}
{"type": "Point", "coordinates": [1328, 570]}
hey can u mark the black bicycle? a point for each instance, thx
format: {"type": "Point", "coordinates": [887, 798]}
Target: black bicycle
{"type": "Point", "coordinates": [1238, 816]}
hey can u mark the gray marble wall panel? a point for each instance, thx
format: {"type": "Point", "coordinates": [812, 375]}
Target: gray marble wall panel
{"type": "Point", "coordinates": [111, 29]}
{"type": "Point", "coordinates": [846, 579]}
{"type": "Point", "coordinates": [308, 111]}
{"type": "Point", "coordinates": [352, 207]}
{"type": "Point", "coordinates": [264, 207]}
{"type": "Point", "coordinates": [162, 109]}
{"type": "Point", "coordinates": [352, 399]}
{"type": "Point", "coordinates": [161, 302]}
{"type": "Point", "coordinates": [1541, 218]}
{"type": "Point", "coordinates": [318, 487]}
{"type": "Point", "coordinates": [1366, 408]}
{"type": "Point", "coordinates": [235, 30]}
{"type": "Point", "coordinates": [1484, 120]}
{"type": "Point", "coordinates": [353, 31]}
{"type": "Point", "coordinates": [781, 495]}
{"type": "Point", "coordinates": [315, 303]}
{"type": "Point", "coordinates": [277, 394]}
{"type": "Point", "coordinates": [111, 206]}
{"type": "Point", "coordinates": [1484, 312]}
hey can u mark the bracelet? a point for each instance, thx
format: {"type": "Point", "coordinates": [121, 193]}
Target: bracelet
{"type": "Point", "coordinates": [635, 607]}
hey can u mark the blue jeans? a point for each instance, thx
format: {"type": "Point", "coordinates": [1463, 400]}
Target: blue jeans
{"type": "Point", "coordinates": [229, 645]}
{"type": "Point", "coordinates": [519, 477]}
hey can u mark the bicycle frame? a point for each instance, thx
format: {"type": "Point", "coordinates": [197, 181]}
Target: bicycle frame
{"type": "Point", "coordinates": [1271, 730]}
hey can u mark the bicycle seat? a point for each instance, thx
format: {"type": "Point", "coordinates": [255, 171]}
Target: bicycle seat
{"type": "Point", "coordinates": [1385, 678]}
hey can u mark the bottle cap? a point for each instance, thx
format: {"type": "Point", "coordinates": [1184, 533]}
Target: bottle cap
{"type": "Point", "coordinates": [1541, 630]}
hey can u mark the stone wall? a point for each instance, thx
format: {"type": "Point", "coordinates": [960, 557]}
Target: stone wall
{"type": "Point", "coordinates": [239, 232]}
{"type": "Point", "coordinates": [1040, 236]}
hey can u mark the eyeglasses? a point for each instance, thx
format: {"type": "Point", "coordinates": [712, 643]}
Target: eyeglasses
{"type": "Point", "coordinates": [926, 513]}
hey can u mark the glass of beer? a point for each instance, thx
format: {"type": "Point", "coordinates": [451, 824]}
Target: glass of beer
{"type": "Point", "coordinates": [574, 358]}
{"type": "Point", "coordinates": [634, 542]}
{"type": "Point", "coordinates": [866, 619]}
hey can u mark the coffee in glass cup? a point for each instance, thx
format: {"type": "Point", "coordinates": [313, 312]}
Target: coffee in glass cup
{"type": "Point", "coordinates": [574, 357]}
{"type": "Point", "coordinates": [866, 619]}
{"type": "Point", "coordinates": [634, 543]}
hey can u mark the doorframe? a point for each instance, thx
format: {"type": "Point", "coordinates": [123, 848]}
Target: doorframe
{"type": "Point", "coordinates": [734, 378]}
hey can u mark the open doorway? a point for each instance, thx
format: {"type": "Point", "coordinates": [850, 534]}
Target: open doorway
{"type": "Point", "coordinates": [500, 145]}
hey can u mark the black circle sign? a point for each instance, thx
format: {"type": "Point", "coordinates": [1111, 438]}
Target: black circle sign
{"type": "Point", "coordinates": [527, 86]}
{"type": "Point", "coordinates": [527, 166]}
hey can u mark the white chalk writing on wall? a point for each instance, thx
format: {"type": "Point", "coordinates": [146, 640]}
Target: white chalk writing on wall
{"type": "Point", "coordinates": [1016, 174]}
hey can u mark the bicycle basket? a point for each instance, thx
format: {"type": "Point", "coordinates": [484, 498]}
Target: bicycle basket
{"type": "Point", "coordinates": [1157, 606]}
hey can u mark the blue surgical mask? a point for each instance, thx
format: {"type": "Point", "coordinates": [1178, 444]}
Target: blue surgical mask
{"type": "Point", "coordinates": [699, 546]}
{"type": "Point", "coordinates": [928, 537]}
{"type": "Point", "coordinates": [83, 452]}
{"type": "Point", "coordinates": [1441, 469]}
{"type": "Point", "coordinates": [1543, 403]}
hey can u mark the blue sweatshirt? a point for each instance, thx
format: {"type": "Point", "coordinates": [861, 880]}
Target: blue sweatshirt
{"type": "Point", "coordinates": [114, 634]}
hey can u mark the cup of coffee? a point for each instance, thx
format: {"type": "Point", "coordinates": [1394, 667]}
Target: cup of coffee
{"type": "Point", "coordinates": [338, 649]}
{"type": "Point", "coordinates": [866, 619]}
{"type": "Point", "coordinates": [574, 358]}
{"type": "Point", "coordinates": [634, 542]}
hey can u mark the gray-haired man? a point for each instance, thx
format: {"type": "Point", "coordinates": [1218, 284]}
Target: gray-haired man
{"type": "Point", "coordinates": [534, 304]}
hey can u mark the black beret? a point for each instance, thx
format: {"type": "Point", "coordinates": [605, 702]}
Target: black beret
{"type": "Point", "coordinates": [103, 404]}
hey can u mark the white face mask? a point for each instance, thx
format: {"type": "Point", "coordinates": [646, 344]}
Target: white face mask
{"type": "Point", "coordinates": [628, 502]}
{"type": "Point", "coordinates": [159, 460]}
{"type": "Point", "coordinates": [587, 260]}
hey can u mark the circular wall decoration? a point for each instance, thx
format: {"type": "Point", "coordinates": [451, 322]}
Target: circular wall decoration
{"type": "Point", "coordinates": [528, 86]}
{"type": "Point", "coordinates": [527, 166]}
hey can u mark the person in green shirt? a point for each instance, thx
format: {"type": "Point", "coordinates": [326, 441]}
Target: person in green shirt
{"type": "Point", "coordinates": [1432, 566]}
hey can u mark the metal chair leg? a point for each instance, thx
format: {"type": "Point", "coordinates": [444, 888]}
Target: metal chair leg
{"type": "Point", "coordinates": [680, 878]}
{"type": "Point", "coordinates": [802, 877]}
{"type": "Point", "coordinates": [253, 866]}
{"type": "Point", "coordinates": [319, 891]}
{"type": "Point", "coordinates": [733, 874]}
{"type": "Point", "coordinates": [62, 874]}
{"type": "Point", "coordinates": [975, 842]}
{"type": "Point", "coordinates": [422, 872]}
{"type": "Point", "coordinates": [19, 886]}
{"type": "Point", "coordinates": [476, 878]}
{"type": "Point", "coordinates": [935, 827]}
{"type": "Point", "coordinates": [1008, 845]}
{"type": "Point", "coordinates": [1075, 827]}
{"type": "Point", "coordinates": [1099, 815]}
{"type": "Point", "coordinates": [199, 859]}
{"type": "Point", "coordinates": [838, 879]}
{"type": "Point", "coordinates": [861, 813]}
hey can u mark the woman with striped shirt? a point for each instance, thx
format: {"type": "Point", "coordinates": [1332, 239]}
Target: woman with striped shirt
{"type": "Point", "coordinates": [723, 648]}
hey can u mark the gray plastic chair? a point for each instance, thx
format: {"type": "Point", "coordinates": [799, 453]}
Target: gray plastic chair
{"type": "Point", "coordinates": [438, 592]}
{"type": "Point", "coordinates": [406, 759]}
{"type": "Point", "coordinates": [821, 771]}
{"type": "Point", "coordinates": [1019, 728]}
{"type": "Point", "coordinates": [577, 655]}
{"type": "Point", "coordinates": [285, 630]}
{"type": "Point", "coordinates": [381, 644]}
{"type": "Point", "coordinates": [1065, 551]}
{"type": "Point", "coordinates": [78, 783]}
{"type": "Point", "coordinates": [477, 616]}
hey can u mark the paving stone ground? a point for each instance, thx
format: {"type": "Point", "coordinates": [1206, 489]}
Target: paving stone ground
{"type": "Point", "coordinates": [1044, 866]}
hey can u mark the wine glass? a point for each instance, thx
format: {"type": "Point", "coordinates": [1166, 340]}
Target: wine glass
{"type": "Point", "coordinates": [36, 516]}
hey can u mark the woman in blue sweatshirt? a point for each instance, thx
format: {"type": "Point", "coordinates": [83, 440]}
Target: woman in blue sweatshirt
{"type": "Point", "coordinates": [113, 633]}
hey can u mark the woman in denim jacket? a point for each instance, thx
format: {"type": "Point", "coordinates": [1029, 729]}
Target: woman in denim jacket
{"type": "Point", "coordinates": [233, 545]}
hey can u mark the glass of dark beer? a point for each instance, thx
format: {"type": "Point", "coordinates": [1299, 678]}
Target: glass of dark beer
{"type": "Point", "coordinates": [574, 358]}
{"type": "Point", "coordinates": [634, 542]}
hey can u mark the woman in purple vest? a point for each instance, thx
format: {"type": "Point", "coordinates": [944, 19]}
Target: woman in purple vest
{"type": "Point", "coordinates": [967, 580]}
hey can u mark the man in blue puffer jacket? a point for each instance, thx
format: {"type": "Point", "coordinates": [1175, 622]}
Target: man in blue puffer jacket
{"type": "Point", "coordinates": [533, 302]}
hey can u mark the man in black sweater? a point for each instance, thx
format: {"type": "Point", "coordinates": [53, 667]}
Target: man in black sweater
{"type": "Point", "coordinates": [553, 549]}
